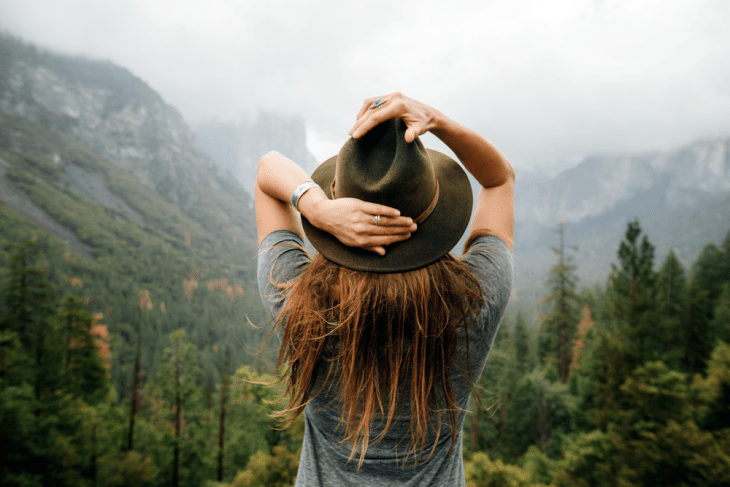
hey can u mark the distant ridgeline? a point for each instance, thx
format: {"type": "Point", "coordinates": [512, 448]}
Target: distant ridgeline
{"type": "Point", "coordinates": [128, 212]}
{"type": "Point", "coordinates": [681, 197]}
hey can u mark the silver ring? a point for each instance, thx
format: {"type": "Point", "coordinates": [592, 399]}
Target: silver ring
{"type": "Point", "coordinates": [378, 103]}
{"type": "Point", "coordinates": [377, 220]}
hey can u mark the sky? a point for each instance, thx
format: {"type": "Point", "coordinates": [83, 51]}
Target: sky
{"type": "Point", "coordinates": [548, 82]}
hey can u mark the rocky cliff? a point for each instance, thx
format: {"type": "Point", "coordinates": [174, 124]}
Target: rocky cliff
{"type": "Point", "coordinates": [237, 147]}
{"type": "Point", "coordinates": [124, 120]}
{"type": "Point", "coordinates": [685, 177]}
{"type": "Point", "coordinates": [681, 198]}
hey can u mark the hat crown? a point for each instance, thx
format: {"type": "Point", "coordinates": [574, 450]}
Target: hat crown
{"type": "Point", "coordinates": [381, 167]}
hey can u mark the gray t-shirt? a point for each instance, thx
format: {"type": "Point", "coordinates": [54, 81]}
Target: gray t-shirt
{"type": "Point", "coordinates": [324, 458]}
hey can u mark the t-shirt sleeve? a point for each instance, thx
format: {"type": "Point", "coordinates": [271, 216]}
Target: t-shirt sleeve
{"type": "Point", "coordinates": [281, 259]}
{"type": "Point", "coordinates": [491, 261]}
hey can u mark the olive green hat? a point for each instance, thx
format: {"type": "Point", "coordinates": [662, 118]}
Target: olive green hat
{"type": "Point", "coordinates": [426, 185]}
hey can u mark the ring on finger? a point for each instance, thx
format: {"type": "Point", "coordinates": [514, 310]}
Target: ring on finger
{"type": "Point", "coordinates": [378, 103]}
{"type": "Point", "coordinates": [377, 220]}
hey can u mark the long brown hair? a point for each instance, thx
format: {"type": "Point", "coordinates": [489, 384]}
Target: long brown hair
{"type": "Point", "coordinates": [379, 332]}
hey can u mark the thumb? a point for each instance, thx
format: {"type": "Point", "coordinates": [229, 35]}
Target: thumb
{"type": "Point", "coordinates": [411, 134]}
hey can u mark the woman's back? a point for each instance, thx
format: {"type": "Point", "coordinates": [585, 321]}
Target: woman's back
{"type": "Point", "coordinates": [326, 456]}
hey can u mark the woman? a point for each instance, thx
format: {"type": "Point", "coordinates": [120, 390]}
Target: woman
{"type": "Point", "coordinates": [383, 332]}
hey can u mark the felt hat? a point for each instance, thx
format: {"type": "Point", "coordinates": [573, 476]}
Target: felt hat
{"type": "Point", "coordinates": [426, 185]}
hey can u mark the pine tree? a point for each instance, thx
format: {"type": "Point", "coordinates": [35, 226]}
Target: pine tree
{"type": "Point", "coordinates": [225, 385]}
{"type": "Point", "coordinates": [557, 328]}
{"type": "Point", "coordinates": [720, 325]}
{"type": "Point", "coordinates": [522, 345]}
{"type": "Point", "coordinates": [671, 299]}
{"type": "Point", "coordinates": [178, 381]}
{"type": "Point", "coordinates": [709, 274]}
{"type": "Point", "coordinates": [84, 374]}
{"type": "Point", "coordinates": [136, 388]}
{"type": "Point", "coordinates": [623, 341]}
{"type": "Point", "coordinates": [632, 294]}
{"type": "Point", "coordinates": [28, 308]}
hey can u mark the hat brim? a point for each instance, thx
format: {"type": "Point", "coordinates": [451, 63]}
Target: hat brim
{"type": "Point", "coordinates": [433, 239]}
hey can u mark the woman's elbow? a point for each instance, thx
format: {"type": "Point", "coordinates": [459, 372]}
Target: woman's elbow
{"type": "Point", "coordinates": [265, 161]}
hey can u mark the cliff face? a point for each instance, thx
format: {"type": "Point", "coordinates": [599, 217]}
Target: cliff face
{"type": "Point", "coordinates": [237, 147]}
{"type": "Point", "coordinates": [121, 118]}
{"type": "Point", "coordinates": [681, 198]}
{"type": "Point", "coordinates": [117, 114]}
{"type": "Point", "coordinates": [684, 177]}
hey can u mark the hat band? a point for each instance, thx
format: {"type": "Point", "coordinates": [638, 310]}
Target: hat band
{"type": "Point", "coordinates": [420, 218]}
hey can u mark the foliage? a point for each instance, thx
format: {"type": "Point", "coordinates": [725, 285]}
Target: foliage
{"type": "Point", "coordinates": [152, 247]}
{"type": "Point", "coordinates": [481, 471]}
{"type": "Point", "coordinates": [277, 470]}
{"type": "Point", "coordinates": [558, 324]}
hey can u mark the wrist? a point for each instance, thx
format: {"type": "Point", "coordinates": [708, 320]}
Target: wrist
{"type": "Point", "coordinates": [300, 191]}
{"type": "Point", "coordinates": [310, 204]}
{"type": "Point", "coordinates": [436, 121]}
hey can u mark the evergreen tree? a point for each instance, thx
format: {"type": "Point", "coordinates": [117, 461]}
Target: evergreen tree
{"type": "Point", "coordinates": [225, 386]}
{"type": "Point", "coordinates": [627, 336]}
{"type": "Point", "coordinates": [709, 273]}
{"type": "Point", "coordinates": [84, 374]}
{"type": "Point", "coordinates": [671, 299]}
{"type": "Point", "coordinates": [696, 326]}
{"type": "Point", "coordinates": [720, 325]}
{"type": "Point", "coordinates": [178, 384]}
{"type": "Point", "coordinates": [558, 325]}
{"type": "Point", "coordinates": [522, 345]}
{"type": "Point", "coordinates": [27, 311]}
{"type": "Point", "coordinates": [539, 412]}
{"type": "Point", "coordinates": [632, 294]}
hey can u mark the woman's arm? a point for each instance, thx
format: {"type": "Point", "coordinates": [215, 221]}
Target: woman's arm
{"type": "Point", "coordinates": [494, 213]}
{"type": "Point", "coordinates": [349, 219]}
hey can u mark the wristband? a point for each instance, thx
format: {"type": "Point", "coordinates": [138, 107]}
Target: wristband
{"type": "Point", "coordinates": [301, 189]}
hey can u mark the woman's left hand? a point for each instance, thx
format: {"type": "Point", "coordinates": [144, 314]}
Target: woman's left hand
{"type": "Point", "coordinates": [418, 117]}
{"type": "Point", "coordinates": [357, 223]}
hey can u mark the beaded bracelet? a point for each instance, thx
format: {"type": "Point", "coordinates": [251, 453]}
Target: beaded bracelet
{"type": "Point", "coordinates": [301, 189]}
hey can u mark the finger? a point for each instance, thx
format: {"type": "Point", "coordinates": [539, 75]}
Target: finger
{"type": "Point", "coordinates": [377, 209]}
{"type": "Point", "coordinates": [413, 131]}
{"type": "Point", "coordinates": [389, 226]}
{"type": "Point", "coordinates": [366, 105]}
{"type": "Point", "coordinates": [373, 117]}
{"type": "Point", "coordinates": [383, 241]}
{"type": "Point", "coordinates": [378, 250]}
{"type": "Point", "coordinates": [378, 244]}
{"type": "Point", "coordinates": [373, 231]}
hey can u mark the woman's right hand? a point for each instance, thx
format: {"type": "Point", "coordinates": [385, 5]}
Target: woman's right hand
{"type": "Point", "coordinates": [356, 223]}
{"type": "Point", "coordinates": [419, 117]}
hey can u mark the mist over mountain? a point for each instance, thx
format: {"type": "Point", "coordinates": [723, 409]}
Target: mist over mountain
{"type": "Point", "coordinates": [110, 180]}
{"type": "Point", "coordinates": [237, 147]}
{"type": "Point", "coordinates": [681, 198]}
{"type": "Point", "coordinates": [125, 121]}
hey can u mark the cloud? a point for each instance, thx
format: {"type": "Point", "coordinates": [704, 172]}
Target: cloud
{"type": "Point", "coordinates": [543, 80]}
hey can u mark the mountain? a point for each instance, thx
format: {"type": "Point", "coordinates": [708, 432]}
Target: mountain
{"type": "Point", "coordinates": [237, 147]}
{"type": "Point", "coordinates": [110, 181]}
{"type": "Point", "coordinates": [681, 198]}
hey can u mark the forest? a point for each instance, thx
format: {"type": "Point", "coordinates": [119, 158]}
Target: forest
{"type": "Point", "coordinates": [625, 383]}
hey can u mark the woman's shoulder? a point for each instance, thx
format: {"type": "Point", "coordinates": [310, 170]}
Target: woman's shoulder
{"type": "Point", "coordinates": [491, 262]}
{"type": "Point", "coordinates": [487, 252]}
{"type": "Point", "coordinates": [281, 259]}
